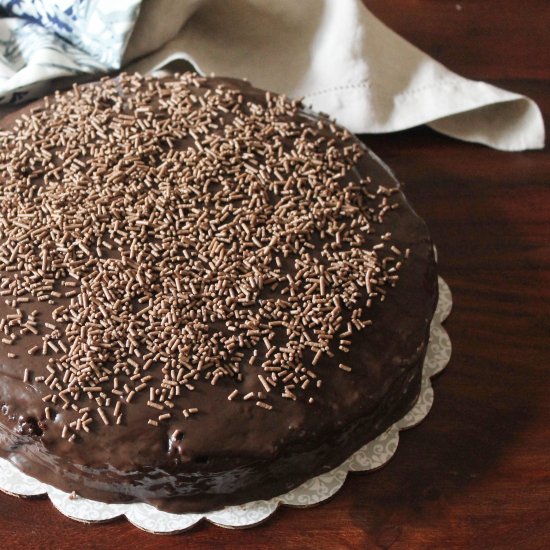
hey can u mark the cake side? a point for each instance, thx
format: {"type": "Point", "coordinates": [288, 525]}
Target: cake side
{"type": "Point", "coordinates": [215, 447]}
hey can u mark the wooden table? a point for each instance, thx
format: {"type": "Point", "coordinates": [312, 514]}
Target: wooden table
{"type": "Point", "coordinates": [476, 472]}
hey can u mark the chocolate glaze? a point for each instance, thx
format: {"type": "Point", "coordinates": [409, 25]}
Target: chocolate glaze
{"type": "Point", "coordinates": [235, 452]}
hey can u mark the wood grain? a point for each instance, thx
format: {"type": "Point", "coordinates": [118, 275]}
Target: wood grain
{"type": "Point", "coordinates": [476, 472]}
{"type": "Point", "coordinates": [480, 39]}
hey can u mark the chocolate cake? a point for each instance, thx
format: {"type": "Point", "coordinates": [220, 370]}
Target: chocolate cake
{"type": "Point", "coordinates": [209, 294]}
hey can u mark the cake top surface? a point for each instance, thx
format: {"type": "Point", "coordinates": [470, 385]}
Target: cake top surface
{"type": "Point", "coordinates": [194, 261]}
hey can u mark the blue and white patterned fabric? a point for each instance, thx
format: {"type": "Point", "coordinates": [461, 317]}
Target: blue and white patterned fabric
{"type": "Point", "coordinates": [41, 40]}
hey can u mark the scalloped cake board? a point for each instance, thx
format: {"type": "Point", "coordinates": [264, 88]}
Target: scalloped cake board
{"type": "Point", "coordinates": [370, 457]}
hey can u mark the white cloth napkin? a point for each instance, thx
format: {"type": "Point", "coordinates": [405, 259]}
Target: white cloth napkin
{"type": "Point", "coordinates": [334, 53]}
{"type": "Point", "coordinates": [345, 62]}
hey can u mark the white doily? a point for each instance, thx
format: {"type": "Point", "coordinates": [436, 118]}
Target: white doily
{"type": "Point", "coordinates": [370, 457]}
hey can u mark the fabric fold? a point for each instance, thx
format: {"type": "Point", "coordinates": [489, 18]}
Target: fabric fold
{"type": "Point", "coordinates": [334, 53]}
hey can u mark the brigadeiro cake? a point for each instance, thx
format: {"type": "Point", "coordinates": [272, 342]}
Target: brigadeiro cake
{"type": "Point", "coordinates": [208, 293]}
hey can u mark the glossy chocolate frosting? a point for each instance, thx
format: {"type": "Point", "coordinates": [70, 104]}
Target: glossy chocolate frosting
{"type": "Point", "coordinates": [233, 452]}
